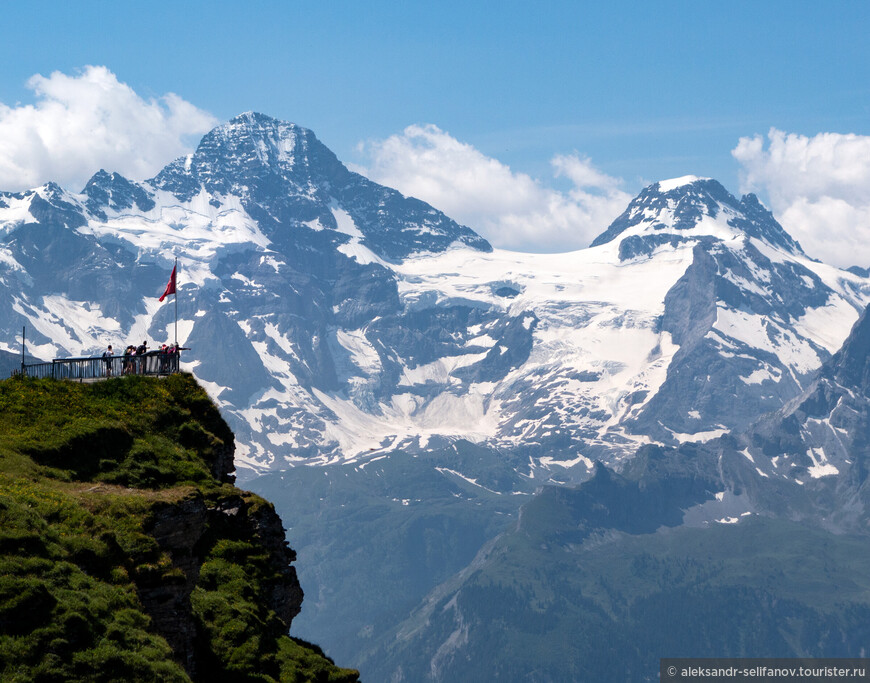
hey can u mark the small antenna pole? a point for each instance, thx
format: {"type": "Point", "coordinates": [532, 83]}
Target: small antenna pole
{"type": "Point", "coordinates": [23, 344]}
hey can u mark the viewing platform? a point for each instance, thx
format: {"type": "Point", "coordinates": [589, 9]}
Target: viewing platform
{"type": "Point", "coordinates": [96, 368]}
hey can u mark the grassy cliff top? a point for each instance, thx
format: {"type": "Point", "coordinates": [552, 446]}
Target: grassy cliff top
{"type": "Point", "coordinates": [125, 551]}
{"type": "Point", "coordinates": [136, 432]}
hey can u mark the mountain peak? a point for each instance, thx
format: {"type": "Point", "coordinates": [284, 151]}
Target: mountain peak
{"type": "Point", "coordinates": [251, 115]}
{"type": "Point", "coordinates": [285, 177]}
{"type": "Point", "coordinates": [675, 183]}
{"type": "Point", "coordinates": [256, 120]}
{"type": "Point", "coordinates": [247, 146]}
{"type": "Point", "coordinates": [114, 191]}
{"type": "Point", "coordinates": [269, 134]}
{"type": "Point", "coordinates": [692, 207]}
{"type": "Point", "coordinates": [251, 150]}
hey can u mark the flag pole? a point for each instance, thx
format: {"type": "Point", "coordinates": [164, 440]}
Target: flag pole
{"type": "Point", "coordinates": [176, 302]}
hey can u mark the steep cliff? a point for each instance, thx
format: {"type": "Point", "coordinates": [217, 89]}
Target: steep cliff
{"type": "Point", "coordinates": [125, 550]}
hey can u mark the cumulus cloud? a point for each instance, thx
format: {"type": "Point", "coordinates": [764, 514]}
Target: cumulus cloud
{"type": "Point", "coordinates": [512, 210]}
{"type": "Point", "coordinates": [818, 187]}
{"type": "Point", "coordinates": [81, 123]}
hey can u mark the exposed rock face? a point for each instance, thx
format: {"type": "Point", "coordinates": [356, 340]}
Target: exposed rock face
{"type": "Point", "coordinates": [285, 177]}
{"type": "Point", "coordinates": [177, 528]}
{"type": "Point", "coordinates": [285, 597]}
{"type": "Point", "coordinates": [187, 530]}
{"type": "Point", "coordinates": [814, 450]}
{"type": "Point", "coordinates": [223, 464]}
{"type": "Point", "coordinates": [190, 528]}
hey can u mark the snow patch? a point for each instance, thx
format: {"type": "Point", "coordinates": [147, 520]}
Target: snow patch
{"type": "Point", "coordinates": [79, 327]}
{"type": "Point", "coordinates": [344, 221]}
{"type": "Point", "coordinates": [682, 181]}
{"type": "Point", "coordinates": [699, 437]}
{"type": "Point", "coordinates": [471, 481]}
{"type": "Point", "coordinates": [439, 371]}
{"type": "Point", "coordinates": [548, 461]}
{"type": "Point", "coordinates": [185, 327]}
{"type": "Point", "coordinates": [362, 353]}
{"type": "Point", "coordinates": [820, 467]}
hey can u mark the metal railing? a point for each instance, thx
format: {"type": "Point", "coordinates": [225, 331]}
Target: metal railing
{"type": "Point", "coordinates": [153, 363]}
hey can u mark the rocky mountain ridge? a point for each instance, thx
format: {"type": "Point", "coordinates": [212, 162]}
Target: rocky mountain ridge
{"type": "Point", "coordinates": [335, 320]}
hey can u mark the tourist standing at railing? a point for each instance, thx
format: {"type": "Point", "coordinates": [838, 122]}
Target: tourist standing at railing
{"type": "Point", "coordinates": [164, 358]}
{"type": "Point", "coordinates": [141, 350]}
{"type": "Point", "coordinates": [108, 355]}
{"type": "Point", "coordinates": [172, 357]}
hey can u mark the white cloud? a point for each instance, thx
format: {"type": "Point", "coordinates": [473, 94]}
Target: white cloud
{"type": "Point", "coordinates": [818, 187]}
{"type": "Point", "coordinates": [512, 210]}
{"type": "Point", "coordinates": [89, 121]}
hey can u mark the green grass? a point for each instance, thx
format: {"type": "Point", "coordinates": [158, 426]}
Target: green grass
{"type": "Point", "coordinates": [83, 470]}
{"type": "Point", "coordinates": [68, 603]}
{"type": "Point", "coordinates": [132, 431]}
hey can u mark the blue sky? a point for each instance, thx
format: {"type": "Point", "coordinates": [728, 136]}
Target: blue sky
{"type": "Point", "coordinates": [641, 91]}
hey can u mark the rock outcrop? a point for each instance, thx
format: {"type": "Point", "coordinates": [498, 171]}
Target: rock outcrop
{"type": "Point", "coordinates": [186, 530]}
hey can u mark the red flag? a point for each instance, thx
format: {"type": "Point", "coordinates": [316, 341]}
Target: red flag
{"type": "Point", "coordinates": [170, 287]}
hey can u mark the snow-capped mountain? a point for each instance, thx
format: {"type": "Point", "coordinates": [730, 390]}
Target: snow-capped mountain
{"type": "Point", "coordinates": [335, 320]}
{"type": "Point", "coordinates": [691, 315]}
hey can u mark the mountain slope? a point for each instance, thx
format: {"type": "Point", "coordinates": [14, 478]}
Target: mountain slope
{"type": "Point", "coordinates": [533, 607]}
{"type": "Point", "coordinates": [814, 450]}
{"type": "Point", "coordinates": [749, 545]}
